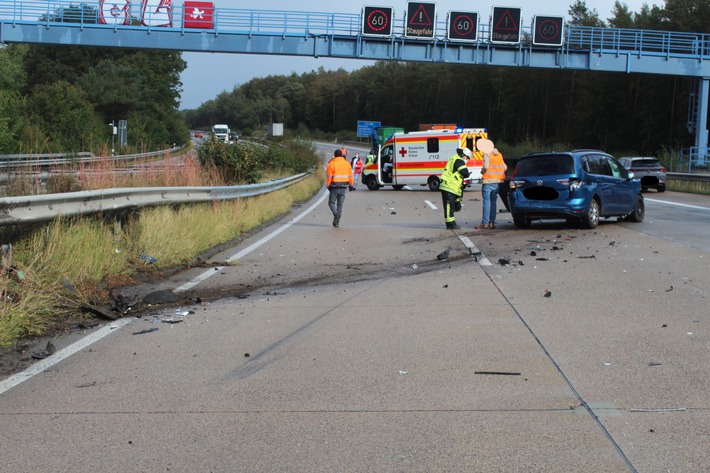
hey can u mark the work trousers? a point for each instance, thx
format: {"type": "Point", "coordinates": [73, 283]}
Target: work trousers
{"type": "Point", "coordinates": [336, 200]}
{"type": "Point", "coordinates": [489, 192]}
{"type": "Point", "coordinates": [450, 200]}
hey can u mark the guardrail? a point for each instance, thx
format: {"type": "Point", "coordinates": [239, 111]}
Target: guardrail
{"type": "Point", "coordinates": [8, 161]}
{"type": "Point", "coordinates": [685, 176]}
{"type": "Point", "coordinates": [42, 208]}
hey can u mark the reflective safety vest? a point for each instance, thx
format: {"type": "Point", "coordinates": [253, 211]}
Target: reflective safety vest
{"type": "Point", "coordinates": [495, 173]}
{"type": "Point", "coordinates": [339, 173]}
{"type": "Point", "coordinates": [452, 177]}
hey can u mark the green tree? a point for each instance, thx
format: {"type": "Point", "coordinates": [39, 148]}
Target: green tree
{"type": "Point", "coordinates": [622, 17]}
{"type": "Point", "coordinates": [580, 15]}
{"type": "Point", "coordinates": [688, 15]}
{"type": "Point", "coordinates": [63, 118]}
{"type": "Point", "coordinates": [12, 84]}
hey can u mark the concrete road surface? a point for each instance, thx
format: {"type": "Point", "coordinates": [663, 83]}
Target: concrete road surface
{"type": "Point", "coordinates": [355, 349]}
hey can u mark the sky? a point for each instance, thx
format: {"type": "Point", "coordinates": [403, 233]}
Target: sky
{"type": "Point", "coordinates": [209, 74]}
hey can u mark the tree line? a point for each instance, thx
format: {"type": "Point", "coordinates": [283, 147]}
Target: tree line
{"type": "Point", "coordinates": [618, 112]}
{"type": "Point", "coordinates": [57, 98]}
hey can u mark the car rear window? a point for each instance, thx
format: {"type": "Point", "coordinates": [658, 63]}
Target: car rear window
{"type": "Point", "coordinates": [545, 165]}
{"type": "Point", "coordinates": [645, 163]}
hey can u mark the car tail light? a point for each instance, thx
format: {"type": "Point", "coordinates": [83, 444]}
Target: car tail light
{"type": "Point", "coordinates": [663, 169]}
{"type": "Point", "coordinates": [516, 184]}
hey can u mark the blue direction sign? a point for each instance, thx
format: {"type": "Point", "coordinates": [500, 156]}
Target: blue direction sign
{"type": "Point", "coordinates": [506, 25]}
{"type": "Point", "coordinates": [420, 20]}
{"type": "Point", "coordinates": [377, 21]}
{"type": "Point", "coordinates": [463, 26]}
{"type": "Point", "coordinates": [548, 30]}
{"type": "Point", "coordinates": [365, 128]}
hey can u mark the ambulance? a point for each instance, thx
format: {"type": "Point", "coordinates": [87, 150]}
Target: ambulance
{"type": "Point", "coordinates": [419, 157]}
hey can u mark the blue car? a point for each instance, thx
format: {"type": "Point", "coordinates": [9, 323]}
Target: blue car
{"type": "Point", "coordinates": [580, 186]}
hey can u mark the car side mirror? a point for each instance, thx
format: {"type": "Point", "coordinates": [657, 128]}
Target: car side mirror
{"type": "Point", "coordinates": [631, 175]}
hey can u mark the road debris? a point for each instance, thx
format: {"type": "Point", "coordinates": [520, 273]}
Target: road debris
{"type": "Point", "coordinates": [498, 373]}
{"type": "Point", "coordinates": [49, 350]}
{"type": "Point", "coordinates": [154, 329]}
{"type": "Point", "coordinates": [444, 255]}
{"type": "Point", "coordinates": [548, 293]}
{"type": "Point", "coordinates": [147, 259]}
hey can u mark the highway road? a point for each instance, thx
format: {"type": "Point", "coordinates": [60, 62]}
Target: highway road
{"type": "Point", "coordinates": [309, 348]}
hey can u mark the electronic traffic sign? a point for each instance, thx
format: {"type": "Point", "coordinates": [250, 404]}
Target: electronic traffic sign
{"type": "Point", "coordinates": [548, 30]}
{"type": "Point", "coordinates": [506, 25]}
{"type": "Point", "coordinates": [463, 26]}
{"type": "Point", "coordinates": [377, 21]}
{"type": "Point", "coordinates": [420, 20]}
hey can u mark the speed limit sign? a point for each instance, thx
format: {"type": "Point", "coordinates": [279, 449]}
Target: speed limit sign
{"type": "Point", "coordinates": [548, 30]}
{"type": "Point", "coordinates": [377, 21]}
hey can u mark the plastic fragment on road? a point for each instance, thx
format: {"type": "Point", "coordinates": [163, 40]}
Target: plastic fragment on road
{"type": "Point", "coordinates": [498, 373]}
{"type": "Point", "coordinates": [48, 351]}
{"type": "Point", "coordinates": [141, 332]}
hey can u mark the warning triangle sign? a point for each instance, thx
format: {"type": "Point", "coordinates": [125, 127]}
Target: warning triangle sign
{"type": "Point", "coordinates": [506, 22]}
{"type": "Point", "coordinates": [420, 17]}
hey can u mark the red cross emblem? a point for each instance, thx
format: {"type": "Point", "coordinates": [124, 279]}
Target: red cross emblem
{"type": "Point", "coordinates": [402, 152]}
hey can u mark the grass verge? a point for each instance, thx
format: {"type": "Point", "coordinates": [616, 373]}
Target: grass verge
{"type": "Point", "coordinates": [74, 262]}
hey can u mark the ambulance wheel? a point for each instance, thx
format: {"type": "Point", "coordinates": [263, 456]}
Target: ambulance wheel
{"type": "Point", "coordinates": [372, 184]}
{"type": "Point", "coordinates": [433, 183]}
{"type": "Point", "coordinates": [398, 187]}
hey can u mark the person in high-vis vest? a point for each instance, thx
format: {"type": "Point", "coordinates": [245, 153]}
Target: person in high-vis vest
{"type": "Point", "coordinates": [451, 185]}
{"type": "Point", "coordinates": [492, 174]}
{"type": "Point", "coordinates": [338, 179]}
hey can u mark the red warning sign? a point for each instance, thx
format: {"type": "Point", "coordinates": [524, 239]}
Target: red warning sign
{"type": "Point", "coordinates": [420, 20]}
{"type": "Point", "coordinates": [506, 25]}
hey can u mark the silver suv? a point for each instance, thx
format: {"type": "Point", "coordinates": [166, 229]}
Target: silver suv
{"type": "Point", "coordinates": [648, 170]}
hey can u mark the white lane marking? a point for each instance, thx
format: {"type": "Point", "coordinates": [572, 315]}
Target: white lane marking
{"type": "Point", "coordinates": [211, 272]}
{"type": "Point", "coordinates": [687, 206]}
{"type": "Point", "coordinates": [52, 360]}
{"type": "Point", "coordinates": [482, 260]}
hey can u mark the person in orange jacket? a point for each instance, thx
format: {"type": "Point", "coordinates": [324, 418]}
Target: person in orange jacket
{"type": "Point", "coordinates": [492, 174]}
{"type": "Point", "coordinates": [338, 179]}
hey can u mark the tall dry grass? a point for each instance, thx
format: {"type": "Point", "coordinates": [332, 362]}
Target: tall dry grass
{"type": "Point", "coordinates": [74, 262]}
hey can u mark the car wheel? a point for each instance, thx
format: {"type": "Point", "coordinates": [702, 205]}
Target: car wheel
{"type": "Point", "coordinates": [661, 188]}
{"type": "Point", "coordinates": [398, 187]}
{"type": "Point", "coordinates": [372, 184]}
{"type": "Point", "coordinates": [521, 222]}
{"type": "Point", "coordinates": [639, 210]}
{"type": "Point", "coordinates": [433, 183]}
{"type": "Point", "coordinates": [591, 220]}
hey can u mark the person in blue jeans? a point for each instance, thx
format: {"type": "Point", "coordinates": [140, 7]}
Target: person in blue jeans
{"type": "Point", "coordinates": [492, 174]}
